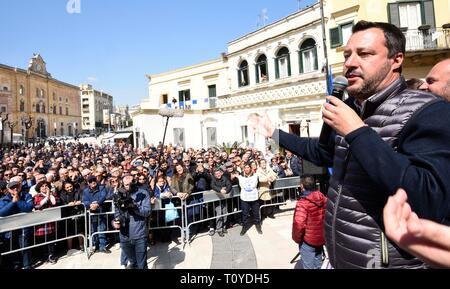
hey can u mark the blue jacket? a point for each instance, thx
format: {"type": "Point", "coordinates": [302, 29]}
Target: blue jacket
{"type": "Point", "coordinates": [158, 191]}
{"type": "Point", "coordinates": [295, 165]}
{"type": "Point", "coordinates": [24, 205]}
{"type": "Point", "coordinates": [137, 216]}
{"type": "Point", "coordinates": [8, 208]}
{"type": "Point", "coordinates": [96, 195]}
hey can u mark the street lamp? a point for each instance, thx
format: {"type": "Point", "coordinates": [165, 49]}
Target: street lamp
{"type": "Point", "coordinates": [3, 122]}
{"type": "Point", "coordinates": [12, 125]}
{"type": "Point", "coordinates": [27, 122]}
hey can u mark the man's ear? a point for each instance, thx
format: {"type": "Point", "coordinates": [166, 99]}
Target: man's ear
{"type": "Point", "coordinates": [397, 61]}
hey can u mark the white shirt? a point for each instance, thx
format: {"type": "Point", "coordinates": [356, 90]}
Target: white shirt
{"type": "Point", "coordinates": [249, 191]}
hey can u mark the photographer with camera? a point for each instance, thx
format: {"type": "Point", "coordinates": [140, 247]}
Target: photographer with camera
{"type": "Point", "coordinates": [132, 210]}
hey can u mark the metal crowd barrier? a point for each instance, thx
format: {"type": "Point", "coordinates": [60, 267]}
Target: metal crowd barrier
{"type": "Point", "coordinates": [101, 219]}
{"type": "Point", "coordinates": [282, 190]}
{"type": "Point", "coordinates": [158, 218]}
{"type": "Point", "coordinates": [106, 218]}
{"type": "Point", "coordinates": [206, 208]}
{"type": "Point", "coordinates": [27, 223]}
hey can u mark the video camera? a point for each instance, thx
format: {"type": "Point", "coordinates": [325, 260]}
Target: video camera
{"type": "Point", "coordinates": [123, 201]}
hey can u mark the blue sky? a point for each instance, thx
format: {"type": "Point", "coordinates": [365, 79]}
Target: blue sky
{"type": "Point", "coordinates": [112, 44]}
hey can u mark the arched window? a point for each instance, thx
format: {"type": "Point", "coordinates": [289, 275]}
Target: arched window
{"type": "Point", "coordinates": [67, 111]}
{"type": "Point", "coordinates": [243, 79]}
{"type": "Point", "coordinates": [22, 105]}
{"type": "Point", "coordinates": [43, 107]}
{"type": "Point", "coordinates": [21, 90]}
{"type": "Point", "coordinates": [38, 108]}
{"type": "Point", "coordinates": [60, 110]}
{"type": "Point", "coordinates": [282, 63]}
{"type": "Point", "coordinates": [308, 56]}
{"type": "Point", "coordinates": [262, 72]}
{"type": "Point", "coordinates": [54, 109]}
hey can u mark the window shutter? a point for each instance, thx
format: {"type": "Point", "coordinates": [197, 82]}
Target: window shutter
{"type": "Point", "coordinates": [335, 37]}
{"type": "Point", "coordinates": [239, 77]}
{"type": "Point", "coordinates": [277, 69]}
{"type": "Point", "coordinates": [289, 64]}
{"type": "Point", "coordinates": [394, 14]}
{"type": "Point", "coordinates": [300, 61]}
{"type": "Point", "coordinates": [316, 60]}
{"type": "Point", "coordinates": [429, 12]}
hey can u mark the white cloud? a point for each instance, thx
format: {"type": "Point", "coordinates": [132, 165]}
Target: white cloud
{"type": "Point", "coordinates": [92, 78]}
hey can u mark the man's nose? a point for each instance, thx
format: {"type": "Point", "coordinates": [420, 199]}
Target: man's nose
{"type": "Point", "coordinates": [351, 61]}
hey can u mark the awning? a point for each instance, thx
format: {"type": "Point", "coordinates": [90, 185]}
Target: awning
{"type": "Point", "coordinates": [122, 135]}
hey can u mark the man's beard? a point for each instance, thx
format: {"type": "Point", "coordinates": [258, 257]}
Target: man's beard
{"type": "Point", "coordinates": [370, 86]}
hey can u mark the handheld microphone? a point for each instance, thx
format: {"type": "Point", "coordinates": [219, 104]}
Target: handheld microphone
{"type": "Point", "coordinates": [170, 112]}
{"type": "Point", "coordinates": [340, 83]}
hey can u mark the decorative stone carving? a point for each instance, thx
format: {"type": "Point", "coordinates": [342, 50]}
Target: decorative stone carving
{"type": "Point", "coordinates": [267, 95]}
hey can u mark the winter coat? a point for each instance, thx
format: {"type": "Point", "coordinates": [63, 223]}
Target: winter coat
{"type": "Point", "coordinates": [309, 215]}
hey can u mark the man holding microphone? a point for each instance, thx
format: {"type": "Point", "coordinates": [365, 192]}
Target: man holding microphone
{"type": "Point", "coordinates": [382, 138]}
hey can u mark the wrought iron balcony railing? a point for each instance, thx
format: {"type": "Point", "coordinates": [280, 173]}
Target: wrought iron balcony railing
{"type": "Point", "coordinates": [427, 39]}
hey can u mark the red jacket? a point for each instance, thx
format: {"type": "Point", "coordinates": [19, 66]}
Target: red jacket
{"type": "Point", "coordinates": [309, 218]}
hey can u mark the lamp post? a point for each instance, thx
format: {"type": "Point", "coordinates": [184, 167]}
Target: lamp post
{"type": "Point", "coordinates": [12, 125]}
{"type": "Point", "coordinates": [3, 122]}
{"type": "Point", "coordinates": [27, 122]}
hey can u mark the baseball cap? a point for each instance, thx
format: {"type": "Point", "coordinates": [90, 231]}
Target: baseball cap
{"type": "Point", "coordinates": [12, 184]}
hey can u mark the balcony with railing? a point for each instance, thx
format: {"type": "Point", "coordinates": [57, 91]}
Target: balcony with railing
{"type": "Point", "coordinates": [427, 38]}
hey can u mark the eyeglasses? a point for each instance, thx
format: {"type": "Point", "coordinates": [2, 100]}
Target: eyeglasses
{"type": "Point", "coordinates": [44, 186]}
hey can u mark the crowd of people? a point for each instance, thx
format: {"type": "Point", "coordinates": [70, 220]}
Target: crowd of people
{"type": "Point", "coordinates": [42, 177]}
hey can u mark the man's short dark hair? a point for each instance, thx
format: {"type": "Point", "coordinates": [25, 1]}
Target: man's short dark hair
{"type": "Point", "coordinates": [308, 183]}
{"type": "Point", "coordinates": [394, 37]}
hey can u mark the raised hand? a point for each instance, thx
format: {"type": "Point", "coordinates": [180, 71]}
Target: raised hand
{"type": "Point", "coordinates": [261, 124]}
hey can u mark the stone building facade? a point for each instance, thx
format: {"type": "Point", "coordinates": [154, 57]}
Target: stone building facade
{"type": "Point", "coordinates": [53, 105]}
